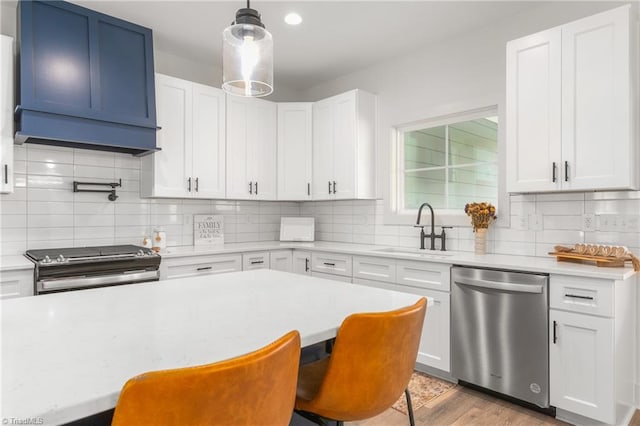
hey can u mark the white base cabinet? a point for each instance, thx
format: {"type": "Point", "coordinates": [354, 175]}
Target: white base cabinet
{"type": "Point", "coordinates": [17, 283]}
{"type": "Point", "coordinates": [302, 262]}
{"type": "Point", "coordinates": [258, 260]}
{"type": "Point", "coordinates": [192, 266]}
{"type": "Point", "coordinates": [281, 260]}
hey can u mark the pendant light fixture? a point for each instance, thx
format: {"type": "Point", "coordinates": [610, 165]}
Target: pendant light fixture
{"type": "Point", "coordinates": [247, 64]}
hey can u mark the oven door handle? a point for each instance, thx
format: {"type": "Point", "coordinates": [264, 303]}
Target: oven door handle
{"type": "Point", "coordinates": [80, 282]}
{"type": "Point", "coordinates": [500, 286]}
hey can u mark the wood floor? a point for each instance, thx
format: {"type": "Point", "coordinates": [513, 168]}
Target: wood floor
{"type": "Point", "coordinates": [464, 406]}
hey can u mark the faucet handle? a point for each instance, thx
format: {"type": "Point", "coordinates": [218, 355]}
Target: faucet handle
{"type": "Point", "coordinates": [418, 226]}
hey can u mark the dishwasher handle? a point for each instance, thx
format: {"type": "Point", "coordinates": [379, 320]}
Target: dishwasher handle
{"type": "Point", "coordinates": [496, 285]}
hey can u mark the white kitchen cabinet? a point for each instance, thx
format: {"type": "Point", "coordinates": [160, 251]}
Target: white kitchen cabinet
{"type": "Point", "coordinates": [251, 149]}
{"type": "Point", "coordinates": [435, 276]}
{"type": "Point", "coordinates": [18, 283]}
{"type": "Point", "coordinates": [570, 106]}
{"type": "Point", "coordinates": [257, 260]}
{"type": "Point", "coordinates": [344, 146]}
{"type": "Point", "coordinates": [191, 266]}
{"type": "Point", "coordinates": [340, 278]}
{"type": "Point", "coordinates": [281, 260]}
{"type": "Point", "coordinates": [6, 114]}
{"type": "Point", "coordinates": [331, 263]}
{"type": "Point", "coordinates": [581, 357]}
{"type": "Point", "coordinates": [295, 150]}
{"type": "Point", "coordinates": [436, 334]}
{"type": "Point", "coordinates": [374, 268]}
{"type": "Point", "coordinates": [191, 163]}
{"type": "Point", "coordinates": [302, 262]}
{"type": "Point", "coordinates": [592, 342]}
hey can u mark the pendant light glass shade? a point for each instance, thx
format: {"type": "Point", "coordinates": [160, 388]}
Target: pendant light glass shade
{"type": "Point", "coordinates": [247, 63]}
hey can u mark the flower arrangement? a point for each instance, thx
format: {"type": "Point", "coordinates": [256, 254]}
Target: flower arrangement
{"type": "Point", "coordinates": [481, 214]}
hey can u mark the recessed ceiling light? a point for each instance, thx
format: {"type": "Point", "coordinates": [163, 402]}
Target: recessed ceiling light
{"type": "Point", "coordinates": [293, 19]}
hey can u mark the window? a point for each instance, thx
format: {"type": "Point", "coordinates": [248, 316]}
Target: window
{"type": "Point", "coordinates": [448, 163]}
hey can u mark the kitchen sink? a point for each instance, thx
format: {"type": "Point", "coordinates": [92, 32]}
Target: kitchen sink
{"type": "Point", "coordinates": [436, 254]}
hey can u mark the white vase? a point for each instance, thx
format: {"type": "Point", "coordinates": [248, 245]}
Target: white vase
{"type": "Point", "coordinates": [480, 246]}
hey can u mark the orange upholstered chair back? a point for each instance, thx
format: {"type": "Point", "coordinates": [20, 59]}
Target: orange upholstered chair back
{"type": "Point", "coordinates": [257, 388]}
{"type": "Point", "coordinates": [372, 361]}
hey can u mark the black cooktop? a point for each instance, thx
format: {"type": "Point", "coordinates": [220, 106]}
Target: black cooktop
{"type": "Point", "coordinates": [82, 252]}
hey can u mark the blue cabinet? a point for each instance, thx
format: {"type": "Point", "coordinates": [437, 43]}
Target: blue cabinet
{"type": "Point", "coordinates": [85, 79]}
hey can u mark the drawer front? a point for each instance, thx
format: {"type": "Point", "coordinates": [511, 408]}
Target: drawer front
{"type": "Point", "coordinates": [374, 268]}
{"type": "Point", "coordinates": [281, 260]}
{"type": "Point", "coordinates": [202, 265]}
{"type": "Point", "coordinates": [584, 295]}
{"type": "Point", "coordinates": [340, 278]}
{"type": "Point", "coordinates": [335, 264]}
{"type": "Point", "coordinates": [16, 284]}
{"type": "Point", "coordinates": [257, 260]}
{"type": "Point", "coordinates": [436, 276]}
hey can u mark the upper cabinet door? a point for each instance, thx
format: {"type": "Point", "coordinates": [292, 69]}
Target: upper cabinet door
{"type": "Point", "coordinates": [295, 132]}
{"type": "Point", "coordinates": [322, 150]}
{"type": "Point", "coordinates": [345, 145]}
{"type": "Point", "coordinates": [6, 114]}
{"type": "Point", "coordinates": [238, 182]}
{"type": "Point", "coordinates": [209, 157]}
{"type": "Point", "coordinates": [261, 148]}
{"type": "Point", "coordinates": [596, 102]}
{"type": "Point", "coordinates": [533, 112]}
{"type": "Point", "coordinates": [171, 167]}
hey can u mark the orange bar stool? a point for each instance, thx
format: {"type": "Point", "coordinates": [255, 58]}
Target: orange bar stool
{"type": "Point", "coordinates": [256, 388]}
{"type": "Point", "coordinates": [370, 366]}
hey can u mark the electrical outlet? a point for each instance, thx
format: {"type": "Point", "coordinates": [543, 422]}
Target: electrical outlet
{"type": "Point", "coordinates": [588, 222]}
{"type": "Point", "coordinates": [522, 223]}
{"type": "Point", "coordinates": [535, 222]}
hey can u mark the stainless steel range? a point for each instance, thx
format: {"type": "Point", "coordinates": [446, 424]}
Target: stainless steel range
{"type": "Point", "coordinates": [76, 268]}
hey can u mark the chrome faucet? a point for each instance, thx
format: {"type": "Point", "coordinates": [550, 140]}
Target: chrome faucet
{"type": "Point", "coordinates": [432, 235]}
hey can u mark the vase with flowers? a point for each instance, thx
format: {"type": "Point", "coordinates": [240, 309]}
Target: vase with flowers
{"type": "Point", "coordinates": [481, 214]}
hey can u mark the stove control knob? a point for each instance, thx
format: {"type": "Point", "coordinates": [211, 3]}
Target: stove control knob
{"type": "Point", "coordinates": [46, 259]}
{"type": "Point", "coordinates": [60, 258]}
{"type": "Point", "coordinates": [140, 253]}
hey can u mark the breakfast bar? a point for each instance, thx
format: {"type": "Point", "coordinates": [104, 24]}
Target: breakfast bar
{"type": "Point", "coordinates": [66, 356]}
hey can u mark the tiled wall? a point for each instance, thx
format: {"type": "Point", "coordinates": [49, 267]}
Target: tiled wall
{"type": "Point", "coordinates": [538, 222]}
{"type": "Point", "coordinates": [44, 212]}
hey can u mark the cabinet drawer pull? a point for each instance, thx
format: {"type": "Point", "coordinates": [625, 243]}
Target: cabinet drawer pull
{"type": "Point", "coordinates": [205, 268]}
{"type": "Point", "coordinates": [555, 332]}
{"type": "Point", "coordinates": [553, 172]}
{"type": "Point", "coordinates": [579, 297]}
{"type": "Point", "coordinates": [257, 262]}
{"type": "Point", "coordinates": [250, 187]}
{"type": "Point", "coordinates": [566, 171]}
{"type": "Point", "coordinates": [306, 264]}
{"type": "Point", "coordinates": [329, 264]}
{"type": "Point", "coordinates": [189, 184]}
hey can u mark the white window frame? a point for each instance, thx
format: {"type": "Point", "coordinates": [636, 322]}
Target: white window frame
{"type": "Point", "coordinates": [398, 215]}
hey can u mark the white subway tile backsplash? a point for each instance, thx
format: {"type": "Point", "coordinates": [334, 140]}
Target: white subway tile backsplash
{"type": "Point", "coordinates": [50, 182]}
{"type": "Point", "coordinates": [49, 169]}
{"type": "Point", "coordinates": [93, 158]}
{"type": "Point", "coordinates": [93, 220]}
{"type": "Point", "coordinates": [36, 154]}
{"type": "Point", "coordinates": [49, 207]}
{"type": "Point", "coordinates": [49, 220]}
{"type": "Point", "coordinates": [92, 172]}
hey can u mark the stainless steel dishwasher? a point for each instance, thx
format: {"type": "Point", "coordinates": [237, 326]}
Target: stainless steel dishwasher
{"type": "Point", "coordinates": [499, 332]}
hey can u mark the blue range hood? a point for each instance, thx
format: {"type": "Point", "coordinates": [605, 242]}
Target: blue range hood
{"type": "Point", "coordinates": [86, 80]}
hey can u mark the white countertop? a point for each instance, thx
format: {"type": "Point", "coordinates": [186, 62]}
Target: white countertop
{"type": "Point", "coordinates": [15, 263]}
{"type": "Point", "coordinates": [67, 355]}
{"type": "Point", "coordinates": [499, 261]}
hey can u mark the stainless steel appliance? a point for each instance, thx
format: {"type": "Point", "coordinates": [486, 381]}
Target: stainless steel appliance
{"type": "Point", "coordinates": [499, 332]}
{"type": "Point", "coordinates": [76, 268]}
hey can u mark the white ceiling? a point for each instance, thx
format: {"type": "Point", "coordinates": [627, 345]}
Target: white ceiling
{"type": "Point", "coordinates": [334, 39]}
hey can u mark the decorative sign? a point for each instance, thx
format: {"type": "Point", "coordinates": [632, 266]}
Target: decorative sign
{"type": "Point", "coordinates": [208, 229]}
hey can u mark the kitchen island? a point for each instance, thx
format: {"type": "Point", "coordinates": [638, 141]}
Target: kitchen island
{"type": "Point", "coordinates": [66, 356]}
